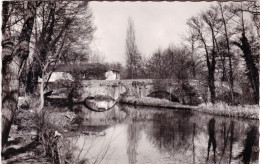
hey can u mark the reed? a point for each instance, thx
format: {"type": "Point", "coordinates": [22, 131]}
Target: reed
{"type": "Point", "coordinates": [223, 109]}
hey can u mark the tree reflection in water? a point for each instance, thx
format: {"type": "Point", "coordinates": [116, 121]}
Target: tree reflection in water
{"type": "Point", "coordinates": [212, 139]}
{"type": "Point", "coordinates": [249, 143]}
{"type": "Point", "coordinates": [133, 136]}
{"type": "Point", "coordinates": [171, 131]}
{"type": "Point", "coordinates": [225, 135]}
{"type": "Point", "coordinates": [232, 125]}
{"type": "Point", "coordinates": [193, 143]}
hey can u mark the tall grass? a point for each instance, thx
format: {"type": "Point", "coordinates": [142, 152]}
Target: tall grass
{"type": "Point", "coordinates": [223, 109]}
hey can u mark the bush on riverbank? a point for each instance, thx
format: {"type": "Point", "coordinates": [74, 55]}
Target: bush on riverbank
{"type": "Point", "coordinates": [36, 139]}
{"type": "Point", "coordinates": [53, 134]}
{"type": "Point", "coordinates": [223, 109]}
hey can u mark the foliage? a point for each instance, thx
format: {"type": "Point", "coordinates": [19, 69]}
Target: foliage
{"type": "Point", "coordinates": [48, 140]}
{"type": "Point", "coordinates": [172, 63]}
{"type": "Point", "coordinates": [189, 94]}
{"type": "Point", "coordinates": [160, 85]}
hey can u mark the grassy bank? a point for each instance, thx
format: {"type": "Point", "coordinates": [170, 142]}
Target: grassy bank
{"type": "Point", "coordinates": [34, 139]}
{"type": "Point", "coordinates": [223, 109]}
{"type": "Point", "coordinates": [219, 108]}
{"type": "Point", "coordinates": [153, 102]}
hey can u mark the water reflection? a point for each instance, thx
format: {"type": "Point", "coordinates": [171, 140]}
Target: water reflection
{"type": "Point", "coordinates": [193, 143]}
{"type": "Point", "coordinates": [212, 139]}
{"type": "Point", "coordinates": [110, 117]}
{"type": "Point", "coordinates": [231, 140]}
{"type": "Point", "coordinates": [151, 135]}
{"type": "Point", "coordinates": [133, 136]}
{"type": "Point", "coordinates": [249, 144]}
{"type": "Point", "coordinates": [225, 136]}
{"type": "Point", "coordinates": [98, 104]}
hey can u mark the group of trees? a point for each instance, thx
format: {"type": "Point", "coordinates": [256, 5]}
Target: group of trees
{"type": "Point", "coordinates": [172, 63]}
{"type": "Point", "coordinates": [222, 45]}
{"type": "Point", "coordinates": [36, 37]}
{"type": "Point", "coordinates": [226, 35]}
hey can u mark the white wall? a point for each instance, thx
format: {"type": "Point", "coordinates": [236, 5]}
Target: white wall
{"type": "Point", "coordinates": [111, 75]}
{"type": "Point", "coordinates": [59, 76]}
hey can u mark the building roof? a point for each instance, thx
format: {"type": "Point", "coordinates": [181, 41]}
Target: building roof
{"type": "Point", "coordinates": [113, 70]}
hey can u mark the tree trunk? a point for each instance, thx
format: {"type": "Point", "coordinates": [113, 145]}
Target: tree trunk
{"type": "Point", "coordinates": [231, 79]}
{"type": "Point", "coordinates": [39, 111]}
{"type": "Point", "coordinates": [32, 76]}
{"type": "Point", "coordinates": [224, 76]}
{"type": "Point", "coordinates": [10, 87]}
{"type": "Point", "coordinates": [252, 71]}
{"type": "Point", "coordinates": [11, 69]}
{"type": "Point", "coordinates": [5, 16]}
{"type": "Point", "coordinates": [211, 82]}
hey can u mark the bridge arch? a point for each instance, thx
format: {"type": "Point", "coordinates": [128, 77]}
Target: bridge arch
{"type": "Point", "coordinates": [164, 95]}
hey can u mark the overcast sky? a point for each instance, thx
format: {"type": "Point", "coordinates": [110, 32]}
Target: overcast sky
{"type": "Point", "coordinates": [157, 24]}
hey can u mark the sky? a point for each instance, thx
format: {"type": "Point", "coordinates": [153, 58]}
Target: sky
{"type": "Point", "coordinates": [157, 25]}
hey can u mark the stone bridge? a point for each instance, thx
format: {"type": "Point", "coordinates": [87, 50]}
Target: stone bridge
{"type": "Point", "coordinates": [188, 92]}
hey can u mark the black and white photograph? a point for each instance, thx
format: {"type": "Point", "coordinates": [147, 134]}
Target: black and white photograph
{"type": "Point", "coordinates": [130, 82]}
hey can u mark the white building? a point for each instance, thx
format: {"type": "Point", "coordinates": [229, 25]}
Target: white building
{"type": "Point", "coordinates": [112, 75]}
{"type": "Point", "coordinates": [59, 76]}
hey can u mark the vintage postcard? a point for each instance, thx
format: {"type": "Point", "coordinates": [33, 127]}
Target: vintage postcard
{"type": "Point", "coordinates": [124, 82]}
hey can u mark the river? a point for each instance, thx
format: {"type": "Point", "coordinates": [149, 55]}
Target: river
{"type": "Point", "coordinates": [137, 135]}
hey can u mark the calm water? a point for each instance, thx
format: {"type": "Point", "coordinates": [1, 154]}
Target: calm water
{"type": "Point", "coordinates": [131, 135]}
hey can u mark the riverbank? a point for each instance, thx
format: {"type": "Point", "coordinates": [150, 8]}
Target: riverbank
{"type": "Point", "coordinates": [223, 109]}
{"type": "Point", "coordinates": [27, 145]}
{"type": "Point", "coordinates": [220, 109]}
{"type": "Point", "coordinates": [154, 102]}
{"type": "Point", "coordinates": [23, 145]}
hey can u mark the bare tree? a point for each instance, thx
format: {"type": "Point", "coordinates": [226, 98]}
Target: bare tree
{"type": "Point", "coordinates": [206, 27]}
{"type": "Point", "coordinates": [13, 57]}
{"type": "Point", "coordinates": [133, 57]}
